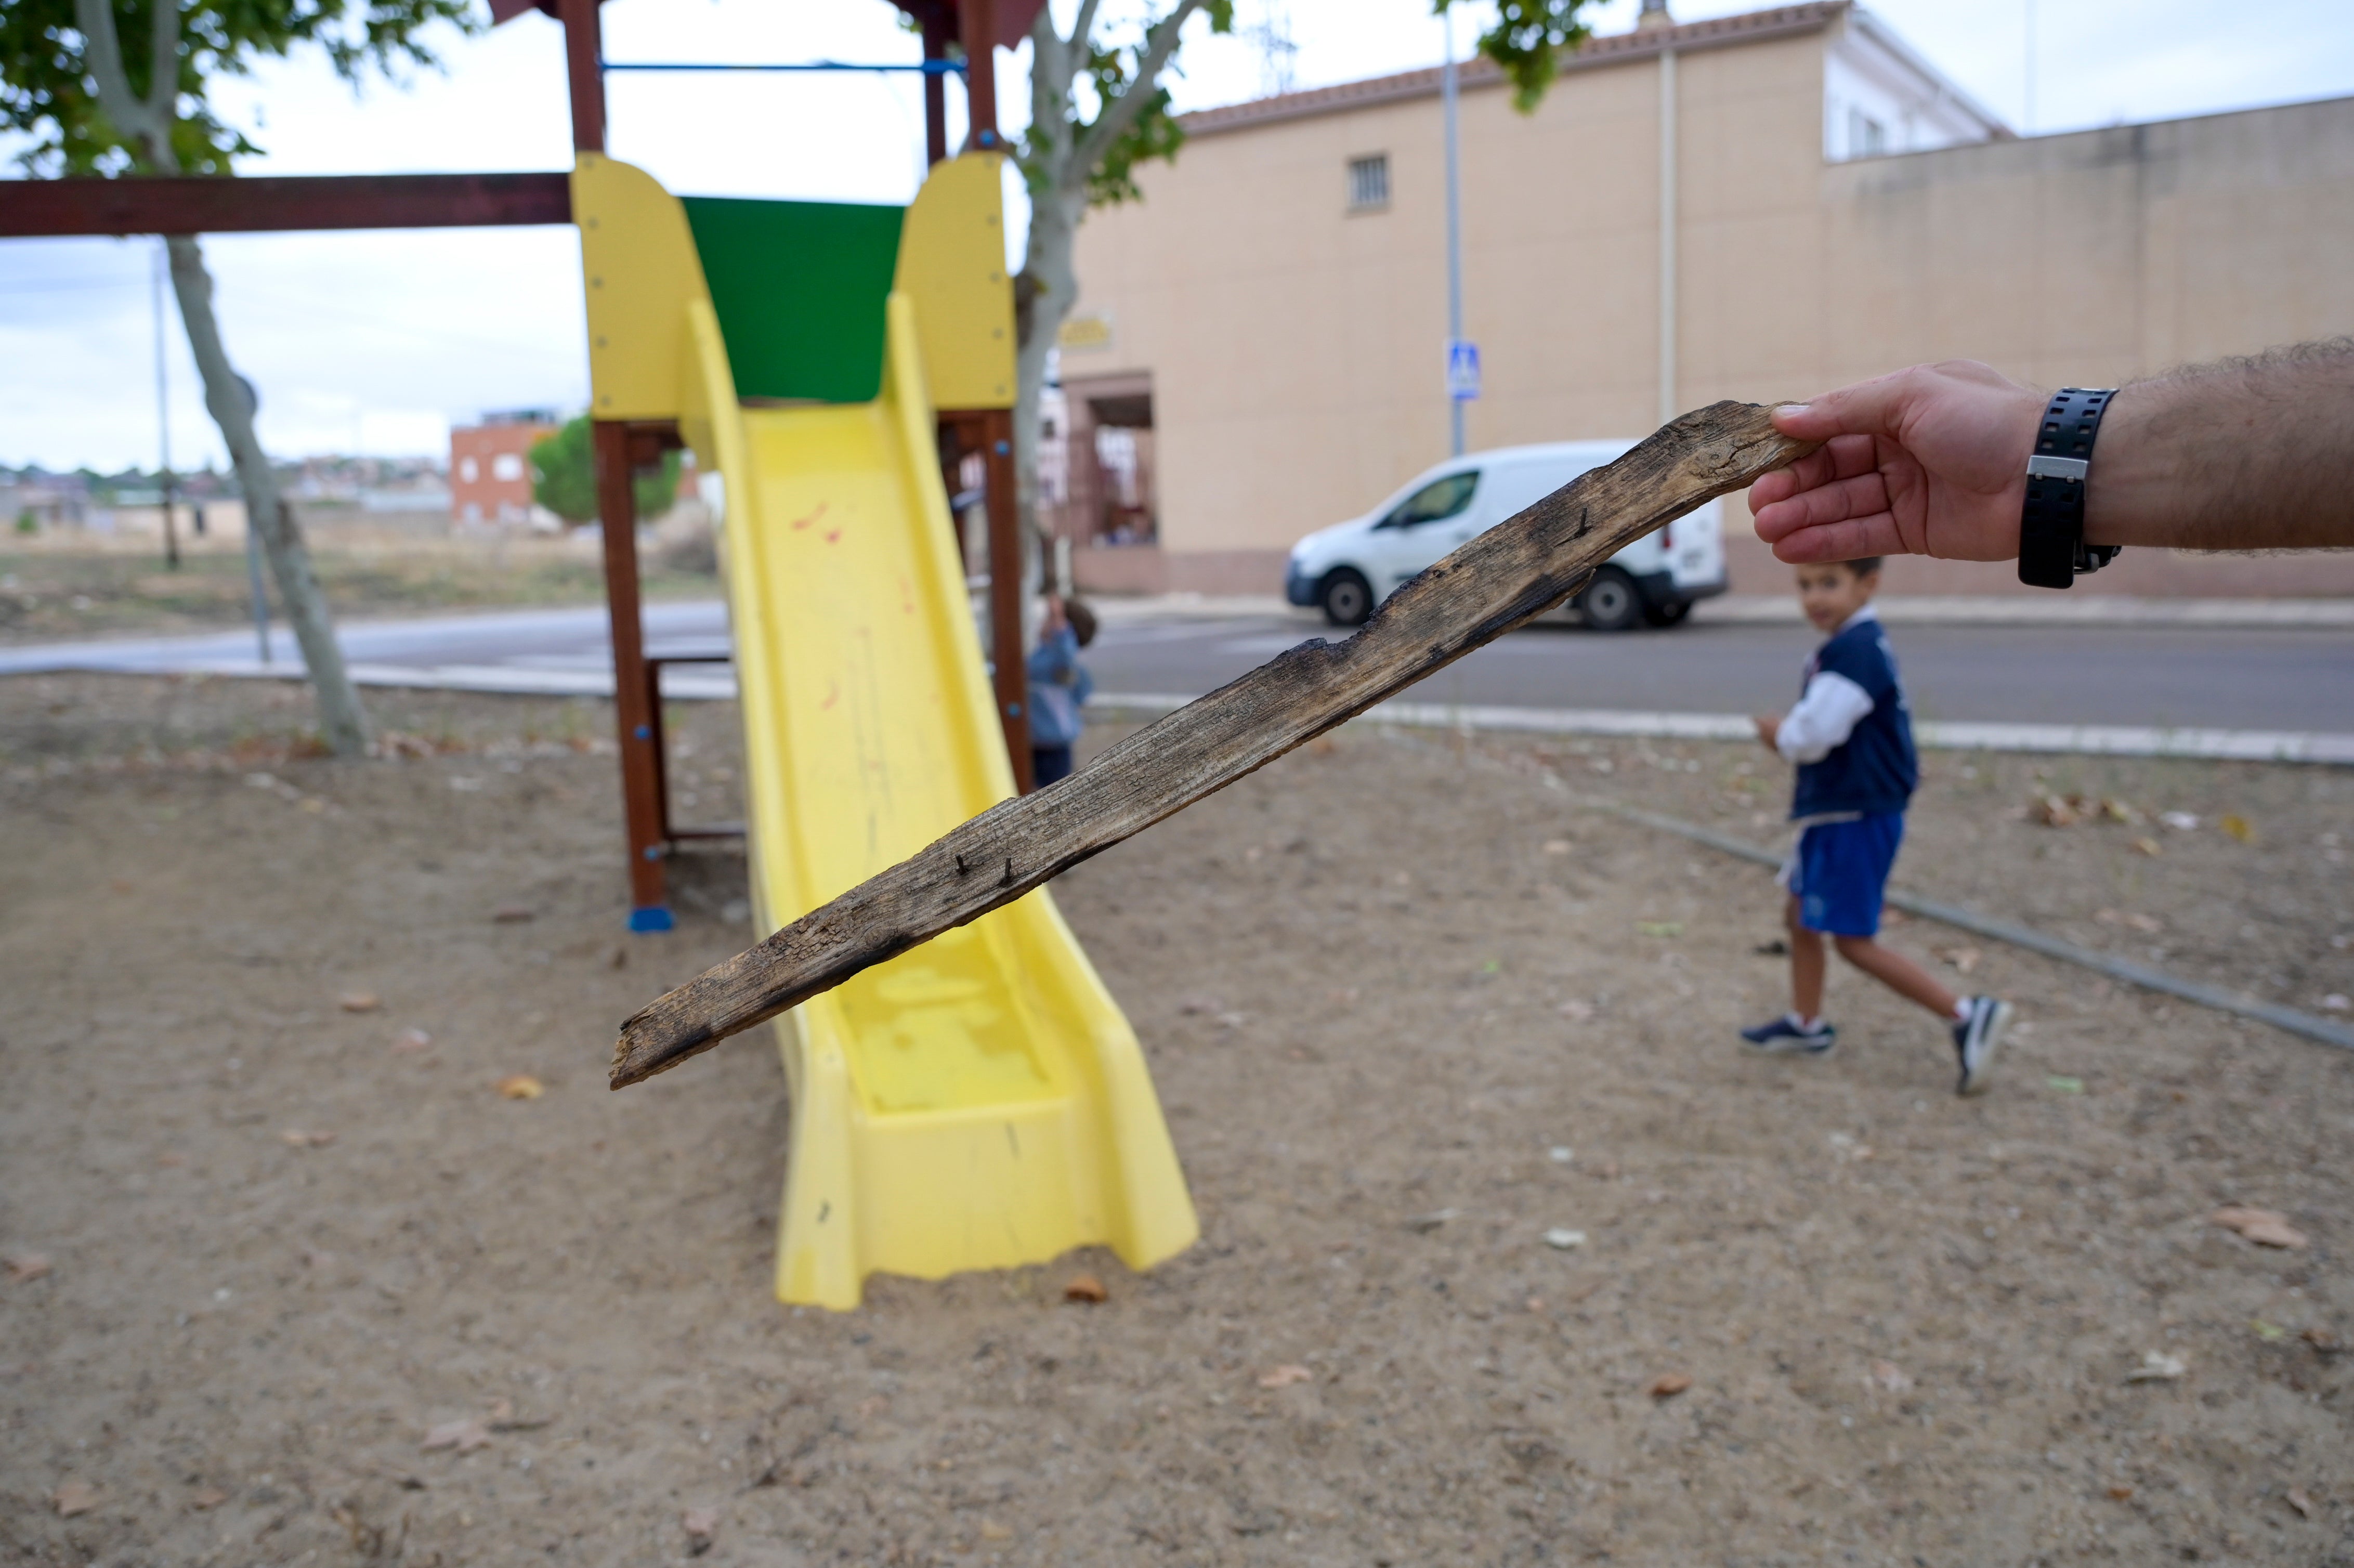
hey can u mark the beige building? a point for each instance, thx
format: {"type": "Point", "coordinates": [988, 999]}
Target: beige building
{"type": "Point", "coordinates": [1756, 207]}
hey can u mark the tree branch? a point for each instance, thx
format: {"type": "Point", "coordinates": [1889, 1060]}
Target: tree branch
{"type": "Point", "coordinates": [1122, 112]}
{"type": "Point", "coordinates": [163, 65]}
{"type": "Point", "coordinates": [1084, 25]}
{"type": "Point", "coordinates": [1517, 569]}
{"type": "Point", "coordinates": [102, 50]}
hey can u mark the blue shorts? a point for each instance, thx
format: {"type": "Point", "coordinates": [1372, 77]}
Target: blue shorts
{"type": "Point", "coordinates": [1838, 872]}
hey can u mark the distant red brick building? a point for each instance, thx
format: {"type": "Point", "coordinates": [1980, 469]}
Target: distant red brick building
{"type": "Point", "coordinates": [490, 466]}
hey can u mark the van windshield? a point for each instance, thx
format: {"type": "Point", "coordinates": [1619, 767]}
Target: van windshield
{"type": "Point", "coordinates": [1441, 498]}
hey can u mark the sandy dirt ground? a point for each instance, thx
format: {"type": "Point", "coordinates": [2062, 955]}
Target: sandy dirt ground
{"type": "Point", "coordinates": [1411, 1003]}
{"type": "Point", "coordinates": [59, 589]}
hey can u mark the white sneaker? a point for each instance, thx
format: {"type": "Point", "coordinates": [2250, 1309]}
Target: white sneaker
{"type": "Point", "coordinates": [1976, 1040]}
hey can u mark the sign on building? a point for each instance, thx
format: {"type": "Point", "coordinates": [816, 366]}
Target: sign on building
{"type": "Point", "coordinates": [1462, 369]}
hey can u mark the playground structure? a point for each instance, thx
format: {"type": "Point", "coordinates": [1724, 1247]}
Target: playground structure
{"type": "Point", "coordinates": [981, 1103]}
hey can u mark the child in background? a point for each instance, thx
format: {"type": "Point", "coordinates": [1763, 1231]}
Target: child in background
{"type": "Point", "coordinates": [1059, 683]}
{"type": "Point", "coordinates": [1852, 737]}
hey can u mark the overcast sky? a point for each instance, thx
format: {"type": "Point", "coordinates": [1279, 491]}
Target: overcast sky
{"type": "Point", "coordinates": [376, 342]}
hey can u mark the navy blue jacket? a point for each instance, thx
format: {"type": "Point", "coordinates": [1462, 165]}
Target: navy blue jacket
{"type": "Point", "coordinates": [1876, 769]}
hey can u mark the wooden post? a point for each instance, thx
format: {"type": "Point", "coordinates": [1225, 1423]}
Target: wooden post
{"type": "Point", "coordinates": [1515, 571]}
{"type": "Point", "coordinates": [617, 513]}
{"type": "Point", "coordinates": [935, 89]}
{"type": "Point", "coordinates": [583, 52]}
{"type": "Point", "coordinates": [1005, 641]}
{"type": "Point", "coordinates": [977, 26]}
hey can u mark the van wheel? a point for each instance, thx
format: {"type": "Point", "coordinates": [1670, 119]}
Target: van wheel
{"type": "Point", "coordinates": [1611, 602]}
{"type": "Point", "coordinates": [1668, 614]}
{"type": "Point", "coordinates": [1347, 597]}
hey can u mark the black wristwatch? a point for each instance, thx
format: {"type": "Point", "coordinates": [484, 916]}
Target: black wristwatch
{"type": "Point", "coordinates": [2051, 548]}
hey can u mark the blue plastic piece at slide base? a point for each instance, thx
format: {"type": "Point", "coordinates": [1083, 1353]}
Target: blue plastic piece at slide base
{"type": "Point", "coordinates": [652, 917]}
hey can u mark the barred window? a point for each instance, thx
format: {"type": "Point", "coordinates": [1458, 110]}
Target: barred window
{"type": "Point", "coordinates": [1369, 182]}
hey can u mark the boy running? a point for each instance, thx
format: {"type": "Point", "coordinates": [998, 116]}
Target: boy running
{"type": "Point", "coordinates": [1851, 736]}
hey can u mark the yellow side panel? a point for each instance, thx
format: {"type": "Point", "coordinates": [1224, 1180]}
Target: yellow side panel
{"type": "Point", "coordinates": [639, 261]}
{"type": "Point", "coordinates": [979, 1102]}
{"type": "Point", "coordinates": [953, 269]}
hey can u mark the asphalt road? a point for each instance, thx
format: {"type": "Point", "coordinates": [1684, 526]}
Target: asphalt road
{"type": "Point", "coordinates": [2290, 678]}
{"type": "Point", "coordinates": [2229, 678]}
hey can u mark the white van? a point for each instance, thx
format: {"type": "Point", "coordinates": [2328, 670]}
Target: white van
{"type": "Point", "coordinates": [1351, 566]}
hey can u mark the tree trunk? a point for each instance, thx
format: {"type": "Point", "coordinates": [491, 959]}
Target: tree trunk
{"type": "Point", "coordinates": [342, 722]}
{"type": "Point", "coordinates": [145, 124]}
{"type": "Point", "coordinates": [1517, 570]}
{"type": "Point", "coordinates": [1050, 285]}
{"type": "Point", "coordinates": [1061, 158]}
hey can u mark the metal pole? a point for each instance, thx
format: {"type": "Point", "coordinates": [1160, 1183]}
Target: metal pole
{"type": "Point", "coordinates": [1454, 235]}
{"type": "Point", "coordinates": [163, 414]}
{"type": "Point", "coordinates": [1667, 409]}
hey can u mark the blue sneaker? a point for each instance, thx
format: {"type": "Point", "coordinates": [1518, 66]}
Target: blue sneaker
{"type": "Point", "coordinates": [1783, 1037]}
{"type": "Point", "coordinates": [1976, 1040]}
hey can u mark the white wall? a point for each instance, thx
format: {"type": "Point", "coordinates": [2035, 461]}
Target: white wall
{"type": "Point", "coordinates": [1874, 86]}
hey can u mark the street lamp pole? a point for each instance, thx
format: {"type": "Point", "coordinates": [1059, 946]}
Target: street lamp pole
{"type": "Point", "coordinates": [1453, 233]}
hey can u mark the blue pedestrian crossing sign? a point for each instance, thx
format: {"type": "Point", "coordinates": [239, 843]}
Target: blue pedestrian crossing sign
{"type": "Point", "coordinates": [1462, 369]}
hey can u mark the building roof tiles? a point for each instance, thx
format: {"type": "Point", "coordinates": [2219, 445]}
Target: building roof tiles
{"type": "Point", "coordinates": [1616, 48]}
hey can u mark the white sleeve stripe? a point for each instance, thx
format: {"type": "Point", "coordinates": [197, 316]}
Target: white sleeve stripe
{"type": "Point", "coordinates": [1826, 715]}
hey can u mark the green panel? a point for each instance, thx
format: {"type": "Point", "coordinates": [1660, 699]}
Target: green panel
{"type": "Point", "coordinates": [799, 288]}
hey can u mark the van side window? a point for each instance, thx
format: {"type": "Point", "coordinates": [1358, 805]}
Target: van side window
{"type": "Point", "coordinates": [1440, 499]}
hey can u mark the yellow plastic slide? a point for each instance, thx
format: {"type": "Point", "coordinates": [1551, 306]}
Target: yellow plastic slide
{"type": "Point", "coordinates": [980, 1102]}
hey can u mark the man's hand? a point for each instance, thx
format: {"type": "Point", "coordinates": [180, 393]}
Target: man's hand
{"type": "Point", "coordinates": [1769, 730]}
{"type": "Point", "coordinates": [1926, 462]}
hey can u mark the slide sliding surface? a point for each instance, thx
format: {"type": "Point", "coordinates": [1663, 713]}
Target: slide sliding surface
{"type": "Point", "coordinates": [979, 1102]}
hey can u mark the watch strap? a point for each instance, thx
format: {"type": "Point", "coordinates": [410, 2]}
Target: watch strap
{"type": "Point", "coordinates": [2051, 548]}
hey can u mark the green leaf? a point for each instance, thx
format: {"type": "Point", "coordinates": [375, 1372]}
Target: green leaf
{"type": "Point", "coordinates": [45, 94]}
{"type": "Point", "coordinates": [1527, 42]}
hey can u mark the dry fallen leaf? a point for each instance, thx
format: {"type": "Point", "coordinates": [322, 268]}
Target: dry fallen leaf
{"type": "Point", "coordinates": [2157, 1366]}
{"type": "Point", "coordinates": [2121, 1491]}
{"type": "Point", "coordinates": [520, 1086]}
{"type": "Point", "coordinates": [73, 1498]}
{"type": "Point", "coordinates": [1285, 1376]}
{"type": "Point", "coordinates": [2148, 846]}
{"type": "Point", "coordinates": [2326, 1340]}
{"type": "Point", "coordinates": [359, 1002]}
{"type": "Point", "coordinates": [1666, 1385]}
{"type": "Point", "coordinates": [1890, 1376]}
{"type": "Point", "coordinates": [464, 1436]}
{"type": "Point", "coordinates": [1085, 1287]}
{"type": "Point", "coordinates": [2296, 1500]}
{"type": "Point", "coordinates": [25, 1265]}
{"type": "Point", "coordinates": [207, 1498]}
{"type": "Point", "coordinates": [2262, 1226]}
{"type": "Point", "coordinates": [412, 1040]}
{"type": "Point", "coordinates": [2056, 812]}
{"type": "Point", "coordinates": [2237, 827]}
{"type": "Point", "coordinates": [300, 1140]}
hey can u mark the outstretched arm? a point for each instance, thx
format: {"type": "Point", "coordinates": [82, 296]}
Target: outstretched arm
{"type": "Point", "coordinates": [2243, 454]}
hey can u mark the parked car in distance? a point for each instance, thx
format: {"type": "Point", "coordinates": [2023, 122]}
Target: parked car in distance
{"type": "Point", "coordinates": [1349, 568]}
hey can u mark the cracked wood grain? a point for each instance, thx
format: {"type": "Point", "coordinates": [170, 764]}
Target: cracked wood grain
{"type": "Point", "coordinates": [1515, 570]}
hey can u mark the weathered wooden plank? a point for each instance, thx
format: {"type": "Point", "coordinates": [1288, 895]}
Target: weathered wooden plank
{"type": "Point", "coordinates": [1516, 570]}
